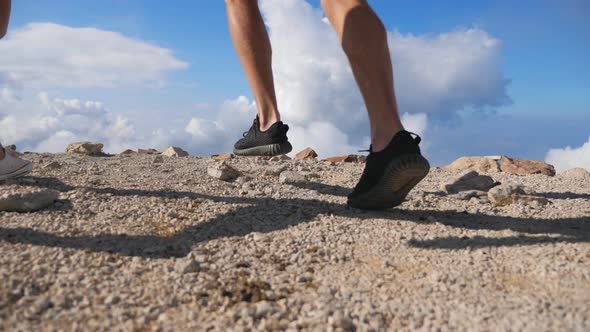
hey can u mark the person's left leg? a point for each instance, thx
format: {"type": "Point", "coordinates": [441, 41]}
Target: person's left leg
{"type": "Point", "coordinates": [253, 48]}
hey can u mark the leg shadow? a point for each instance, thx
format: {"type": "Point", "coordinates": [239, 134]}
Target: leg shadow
{"type": "Point", "coordinates": [254, 217]}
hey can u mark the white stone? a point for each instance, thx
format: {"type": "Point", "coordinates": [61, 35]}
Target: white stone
{"type": "Point", "coordinates": [27, 201]}
{"type": "Point", "coordinates": [223, 171]}
{"type": "Point", "coordinates": [173, 151]}
{"type": "Point", "coordinates": [510, 193]}
{"type": "Point", "coordinates": [86, 148]}
{"type": "Point", "coordinates": [291, 177]}
{"type": "Point", "coordinates": [186, 265]}
{"type": "Point", "coordinates": [468, 180]}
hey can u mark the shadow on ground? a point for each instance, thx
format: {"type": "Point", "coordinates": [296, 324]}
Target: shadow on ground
{"type": "Point", "coordinates": [322, 188]}
{"type": "Point", "coordinates": [566, 195]}
{"type": "Point", "coordinates": [290, 212]}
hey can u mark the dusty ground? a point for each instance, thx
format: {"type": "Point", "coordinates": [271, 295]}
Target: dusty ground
{"type": "Point", "coordinates": [133, 244]}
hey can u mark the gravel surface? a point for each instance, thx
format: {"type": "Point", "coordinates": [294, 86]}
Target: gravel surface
{"type": "Point", "coordinates": [143, 242]}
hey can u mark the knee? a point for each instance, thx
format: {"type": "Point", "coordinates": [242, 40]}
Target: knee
{"type": "Point", "coordinates": [241, 2]}
{"type": "Point", "coordinates": [331, 7]}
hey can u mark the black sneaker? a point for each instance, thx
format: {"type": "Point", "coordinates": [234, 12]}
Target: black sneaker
{"type": "Point", "coordinates": [390, 174]}
{"type": "Point", "coordinates": [271, 142]}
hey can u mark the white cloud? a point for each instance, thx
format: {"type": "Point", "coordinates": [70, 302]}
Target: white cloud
{"type": "Point", "coordinates": [436, 76]}
{"type": "Point", "coordinates": [232, 118]}
{"type": "Point", "coordinates": [567, 158]}
{"type": "Point", "coordinates": [50, 124]}
{"type": "Point", "coordinates": [447, 73]}
{"type": "Point", "coordinates": [415, 123]}
{"type": "Point", "coordinates": [324, 137]}
{"type": "Point", "coordinates": [7, 95]}
{"type": "Point", "coordinates": [48, 54]}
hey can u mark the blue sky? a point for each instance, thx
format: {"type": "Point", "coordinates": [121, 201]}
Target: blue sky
{"type": "Point", "coordinates": [544, 55]}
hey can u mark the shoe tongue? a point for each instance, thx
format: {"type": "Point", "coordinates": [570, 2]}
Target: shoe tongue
{"type": "Point", "coordinates": [256, 123]}
{"type": "Point", "coordinates": [406, 136]}
{"type": "Point", "coordinates": [402, 134]}
{"type": "Point", "coordinates": [402, 137]}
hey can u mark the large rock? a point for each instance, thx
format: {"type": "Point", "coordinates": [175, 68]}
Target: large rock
{"type": "Point", "coordinates": [173, 151]}
{"type": "Point", "coordinates": [307, 153]}
{"type": "Point", "coordinates": [575, 173]}
{"type": "Point", "coordinates": [523, 166]}
{"type": "Point", "coordinates": [478, 164]}
{"type": "Point", "coordinates": [26, 200]}
{"type": "Point", "coordinates": [86, 148]}
{"type": "Point", "coordinates": [510, 193]}
{"type": "Point", "coordinates": [468, 180]}
{"type": "Point", "coordinates": [223, 171]}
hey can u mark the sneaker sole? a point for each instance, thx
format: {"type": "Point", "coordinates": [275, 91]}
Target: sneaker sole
{"type": "Point", "coordinates": [265, 150]}
{"type": "Point", "coordinates": [401, 176]}
{"type": "Point", "coordinates": [20, 172]}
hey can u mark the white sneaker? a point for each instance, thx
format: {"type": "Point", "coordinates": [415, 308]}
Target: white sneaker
{"type": "Point", "coordinates": [12, 166]}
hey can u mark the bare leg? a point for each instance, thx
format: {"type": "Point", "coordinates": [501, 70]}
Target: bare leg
{"type": "Point", "coordinates": [4, 16]}
{"type": "Point", "coordinates": [253, 48]}
{"type": "Point", "coordinates": [364, 40]}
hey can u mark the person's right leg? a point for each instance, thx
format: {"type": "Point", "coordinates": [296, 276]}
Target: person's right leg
{"type": "Point", "coordinates": [364, 40]}
{"type": "Point", "coordinates": [394, 165]}
{"type": "Point", "coordinates": [268, 134]}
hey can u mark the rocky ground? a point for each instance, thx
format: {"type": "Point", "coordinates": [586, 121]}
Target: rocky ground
{"type": "Point", "coordinates": [145, 242]}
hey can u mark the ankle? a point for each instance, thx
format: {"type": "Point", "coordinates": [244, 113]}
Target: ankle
{"type": "Point", "coordinates": [380, 140]}
{"type": "Point", "coordinates": [267, 122]}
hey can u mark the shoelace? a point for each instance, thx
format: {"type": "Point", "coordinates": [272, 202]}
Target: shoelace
{"type": "Point", "coordinates": [249, 130]}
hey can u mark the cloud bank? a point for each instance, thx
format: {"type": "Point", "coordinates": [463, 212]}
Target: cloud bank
{"type": "Point", "coordinates": [436, 77]}
{"type": "Point", "coordinates": [567, 158]}
{"type": "Point", "coordinates": [48, 54]}
{"type": "Point", "coordinates": [50, 124]}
